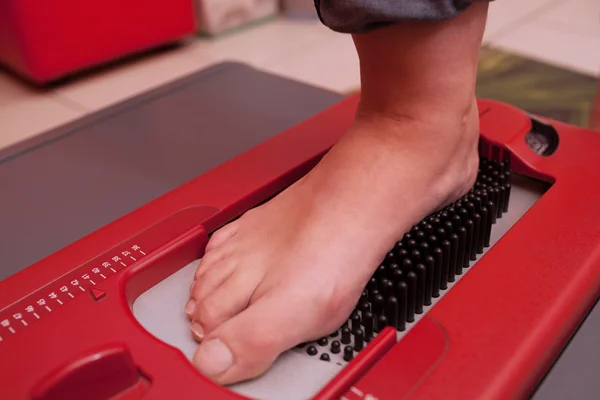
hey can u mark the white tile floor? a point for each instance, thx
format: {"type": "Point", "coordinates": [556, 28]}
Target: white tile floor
{"type": "Point", "coordinates": [563, 32]}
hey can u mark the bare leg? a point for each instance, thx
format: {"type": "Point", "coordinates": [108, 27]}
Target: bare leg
{"type": "Point", "coordinates": [292, 269]}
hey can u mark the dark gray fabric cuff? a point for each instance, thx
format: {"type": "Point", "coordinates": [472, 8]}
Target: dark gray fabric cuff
{"type": "Point", "coordinates": [358, 16]}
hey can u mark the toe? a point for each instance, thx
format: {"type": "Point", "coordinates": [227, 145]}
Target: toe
{"type": "Point", "coordinates": [246, 345]}
{"type": "Point", "coordinates": [213, 258]}
{"type": "Point", "coordinates": [221, 236]}
{"type": "Point", "coordinates": [226, 301]}
{"type": "Point", "coordinates": [209, 280]}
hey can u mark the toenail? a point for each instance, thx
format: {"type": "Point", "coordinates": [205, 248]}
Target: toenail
{"type": "Point", "coordinates": [190, 307]}
{"type": "Point", "coordinates": [192, 286]}
{"type": "Point", "coordinates": [213, 358]}
{"type": "Point", "coordinates": [197, 330]}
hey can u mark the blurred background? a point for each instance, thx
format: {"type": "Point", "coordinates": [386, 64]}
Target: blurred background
{"type": "Point", "coordinates": [63, 59]}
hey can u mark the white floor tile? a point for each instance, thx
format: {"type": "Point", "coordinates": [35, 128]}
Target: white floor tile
{"type": "Point", "coordinates": [129, 78]}
{"type": "Point", "coordinates": [13, 89]}
{"type": "Point", "coordinates": [32, 115]}
{"type": "Point", "coordinates": [260, 45]}
{"type": "Point", "coordinates": [331, 64]}
{"type": "Point", "coordinates": [548, 44]}
{"type": "Point", "coordinates": [576, 16]}
{"type": "Point", "coordinates": [505, 15]}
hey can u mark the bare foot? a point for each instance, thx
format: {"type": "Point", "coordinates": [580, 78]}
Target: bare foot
{"type": "Point", "coordinates": [293, 269]}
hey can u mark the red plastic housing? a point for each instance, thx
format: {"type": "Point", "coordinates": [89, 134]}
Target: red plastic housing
{"type": "Point", "coordinates": [43, 41]}
{"type": "Point", "coordinates": [66, 325]}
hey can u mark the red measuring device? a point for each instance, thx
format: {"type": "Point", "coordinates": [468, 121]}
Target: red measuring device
{"type": "Point", "coordinates": [67, 329]}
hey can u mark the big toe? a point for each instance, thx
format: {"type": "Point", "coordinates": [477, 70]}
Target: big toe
{"type": "Point", "coordinates": [245, 346]}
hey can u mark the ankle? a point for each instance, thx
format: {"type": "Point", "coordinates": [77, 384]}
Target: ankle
{"type": "Point", "coordinates": [429, 163]}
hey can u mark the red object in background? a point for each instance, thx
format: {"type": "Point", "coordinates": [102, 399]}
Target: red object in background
{"type": "Point", "coordinates": [43, 41]}
{"type": "Point", "coordinates": [68, 331]}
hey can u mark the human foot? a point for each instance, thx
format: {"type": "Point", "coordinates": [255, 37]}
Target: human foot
{"type": "Point", "coordinates": [293, 269]}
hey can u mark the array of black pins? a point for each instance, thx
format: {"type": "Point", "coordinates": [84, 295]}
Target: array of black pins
{"type": "Point", "coordinates": [422, 264]}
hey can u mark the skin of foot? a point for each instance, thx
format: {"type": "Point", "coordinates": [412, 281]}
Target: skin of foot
{"type": "Point", "coordinates": [292, 269]}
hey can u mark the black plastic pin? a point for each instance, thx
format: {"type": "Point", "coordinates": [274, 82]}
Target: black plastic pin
{"type": "Point", "coordinates": [491, 221]}
{"type": "Point", "coordinates": [416, 256]}
{"type": "Point", "coordinates": [491, 205]}
{"type": "Point", "coordinates": [476, 235]}
{"type": "Point", "coordinates": [437, 272]}
{"type": "Point", "coordinates": [334, 334]}
{"type": "Point", "coordinates": [372, 295]}
{"type": "Point", "coordinates": [456, 221]}
{"type": "Point", "coordinates": [397, 247]}
{"type": "Point", "coordinates": [507, 188]}
{"type": "Point", "coordinates": [325, 357]}
{"type": "Point", "coordinates": [471, 209]}
{"type": "Point", "coordinates": [372, 285]}
{"type": "Point", "coordinates": [485, 196]}
{"type": "Point", "coordinates": [460, 243]}
{"type": "Point", "coordinates": [382, 322]}
{"type": "Point", "coordinates": [389, 273]}
{"type": "Point", "coordinates": [391, 312]}
{"type": "Point", "coordinates": [378, 304]}
{"type": "Point", "coordinates": [407, 265]}
{"type": "Point", "coordinates": [421, 278]}
{"type": "Point", "coordinates": [444, 264]}
{"type": "Point", "coordinates": [440, 234]}
{"type": "Point", "coordinates": [398, 276]}
{"type": "Point", "coordinates": [348, 353]}
{"type": "Point", "coordinates": [388, 288]}
{"type": "Point", "coordinates": [390, 257]}
{"type": "Point", "coordinates": [484, 224]}
{"type": "Point", "coordinates": [335, 347]}
{"type": "Point", "coordinates": [501, 199]}
{"type": "Point", "coordinates": [482, 229]}
{"type": "Point", "coordinates": [359, 337]}
{"type": "Point", "coordinates": [470, 227]}
{"type": "Point", "coordinates": [355, 322]}
{"type": "Point", "coordinates": [364, 296]}
{"type": "Point", "coordinates": [457, 249]}
{"type": "Point", "coordinates": [364, 306]}
{"type": "Point", "coordinates": [419, 236]}
{"type": "Point", "coordinates": [429, 277]}
{"type": "Point", "coordinates": [368, 322]}
{"type": "Point", "coordinates": [498, 202]}
{"type": "Point", "coordinates": [428, 229]}
{"type": "Point", "coordinates": [323, 341]}
{"type": "Point", "coordinates": [464, 215]}
{"type": "Point", "coordinates": [312, 351]}
{"type": "Point", "coordinates": [448, 228]}
{"type": "Point", "coordinates": [346, 336]}
{"type": "Point", "coordinates": [433, 243]}
{"type": "Point", "coordinates": [380, 274]}
{"type": "Point", "coordinates": [411, 244]}
{"type": "Point", "coordinates": [402, 296]}
{"type": "Point", "coordinates": [424, 249]}
{"type": "Point", "coordinates": [478, 203]}
{"type": "Point", "coordinates": [411, 281]}
{"type": "Point", "coordinates": [402, 254]}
